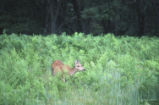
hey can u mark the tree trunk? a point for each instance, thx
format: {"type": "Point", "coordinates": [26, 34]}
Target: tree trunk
{"type": "Point", "coordinates": [78, 15]}
{"type": "Point", "coordinates": [52, 13]}
{"type": "Point", "coordinates": [140, 16]}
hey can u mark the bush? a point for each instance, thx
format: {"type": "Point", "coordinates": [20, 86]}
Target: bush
{"type": "Point", "coordinates": [119, 70]}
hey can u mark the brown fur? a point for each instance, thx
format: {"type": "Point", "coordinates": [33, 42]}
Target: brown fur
{"type": "Point", "coordinates": [58, 66]}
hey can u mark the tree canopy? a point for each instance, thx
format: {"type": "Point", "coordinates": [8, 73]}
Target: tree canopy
{"type": "Point", "coordinates": [121, 17]}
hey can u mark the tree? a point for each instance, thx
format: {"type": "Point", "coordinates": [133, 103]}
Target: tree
{"type": "Point", "coordinates": [52, 13]}
{"type": "Point", "coordinates": [136, 17]}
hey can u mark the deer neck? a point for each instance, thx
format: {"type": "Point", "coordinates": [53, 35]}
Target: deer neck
{"type": "Point", "coordinates": [73, 71]}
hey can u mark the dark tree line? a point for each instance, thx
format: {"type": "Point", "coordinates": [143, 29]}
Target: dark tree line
{"type": "Point", "coordinates": [121, 17]}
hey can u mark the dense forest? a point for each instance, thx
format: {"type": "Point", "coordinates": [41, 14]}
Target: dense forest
{"type": "Point", "coordinates": [121, 17]}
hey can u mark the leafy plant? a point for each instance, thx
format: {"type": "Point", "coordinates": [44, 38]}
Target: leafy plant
{"type": "Point", "coordinates": [119, 70]}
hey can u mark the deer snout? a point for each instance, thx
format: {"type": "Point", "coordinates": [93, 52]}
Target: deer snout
{"type": "Point", "coordinates": [81, 68]}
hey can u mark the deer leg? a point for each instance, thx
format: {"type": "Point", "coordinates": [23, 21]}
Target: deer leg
{"type": "Point", "coordinates": [63, 78]}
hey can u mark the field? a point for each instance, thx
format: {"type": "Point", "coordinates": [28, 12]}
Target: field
{"type": "Point", "coordinates": [119, 70]}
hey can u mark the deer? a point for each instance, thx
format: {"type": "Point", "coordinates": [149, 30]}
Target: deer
{"type": "Point", "coordinates": [59, 67]}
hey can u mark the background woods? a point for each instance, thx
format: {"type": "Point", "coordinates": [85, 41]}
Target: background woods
{"type": "Point", "coordinates": [136, 17]}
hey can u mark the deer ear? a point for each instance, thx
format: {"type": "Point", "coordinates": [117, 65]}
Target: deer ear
{"type": "Point", "coordinates": [76, 61]}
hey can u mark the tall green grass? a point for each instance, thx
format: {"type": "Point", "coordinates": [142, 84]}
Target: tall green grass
{"type": "Point", "coordinates": [119, 70]}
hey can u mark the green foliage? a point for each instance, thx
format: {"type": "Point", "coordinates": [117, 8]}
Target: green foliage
{"type": "Point", "coordinates": [119, 70]}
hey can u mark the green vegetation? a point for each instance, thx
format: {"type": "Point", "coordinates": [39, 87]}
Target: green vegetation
{"type": "Point", "coordinates": [119, 70]}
